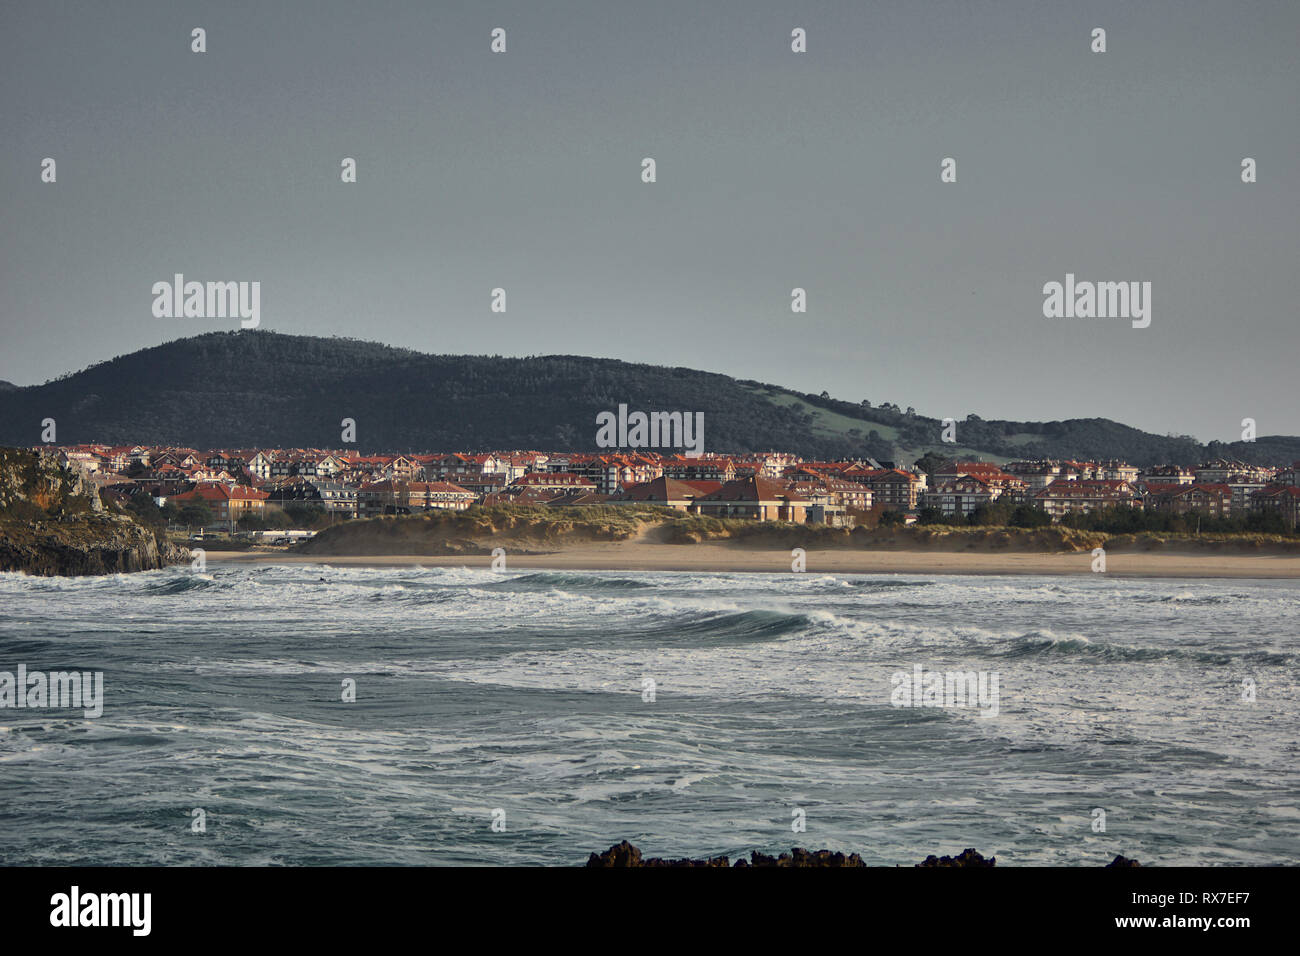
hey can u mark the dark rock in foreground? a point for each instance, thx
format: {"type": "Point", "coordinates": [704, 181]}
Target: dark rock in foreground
{"type": "Point", "coordinates": [803, 858]}
{"type": "Point", "coordinates": [967, 857]}
{"type": "Point", "coordinates": [626, 855]}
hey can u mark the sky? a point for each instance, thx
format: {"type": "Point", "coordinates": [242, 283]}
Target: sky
{"type": "Point", "coordinates": [774, 170]}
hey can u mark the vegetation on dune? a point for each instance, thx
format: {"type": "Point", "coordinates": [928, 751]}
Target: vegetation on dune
{"type": "Point", "coordinates": [478, 530]}
{"type": "Point", "coordinates": [524, 529]}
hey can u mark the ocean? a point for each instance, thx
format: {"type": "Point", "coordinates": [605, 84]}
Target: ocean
{"type": "Point", "coordinates": [508, 717]}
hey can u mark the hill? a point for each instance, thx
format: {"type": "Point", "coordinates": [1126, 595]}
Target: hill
{"type": "Point", "coordinates": [257, 388]}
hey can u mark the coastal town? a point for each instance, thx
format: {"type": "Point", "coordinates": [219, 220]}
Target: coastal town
{"type": "Point", "coordinates": [249, 490]}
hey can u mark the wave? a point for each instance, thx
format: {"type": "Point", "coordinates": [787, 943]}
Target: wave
{"type": "Point", "coordinates": [742, 627]}
{"type": "Point", "coordinates": [1040, 644]}
{"type": "Point", "coordinates": [1188, 598]}
{"type": "Point", "coordinates": [557, 580]}
{"type": "Point", "coordinates": [183, 584]}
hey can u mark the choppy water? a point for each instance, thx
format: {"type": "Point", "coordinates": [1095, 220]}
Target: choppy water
{"type": "Point", "coordinates": [523, 691]}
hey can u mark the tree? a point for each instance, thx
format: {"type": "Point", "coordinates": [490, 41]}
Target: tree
{"type": "Point", "coordinates": [993, 513]}
{"type": "Point", "coordinates": [1027, 516]}
{"type": "Point", "coordinates": [304, 514]}
{"type": "Point", "coordinates": [196, 513]}
{"type": "Point", "coordinates": [276, 519]}
{"type": "Point", "coordinates": [930, 463]}
{"type": "Point", "coordinates": [929, 515]}
{"type": "Point", "coordinates": [144, 509]}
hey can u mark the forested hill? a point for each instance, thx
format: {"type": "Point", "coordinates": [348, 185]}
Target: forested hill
{"type": "Point", "coordinates": [265, 389]}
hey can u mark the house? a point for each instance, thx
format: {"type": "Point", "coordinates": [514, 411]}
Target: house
{"type": "Point", "coordinates": [825, 506]}
{"type": "Point", "coordinates": [959, 497]}
{"type": "Point", "coordinates": [996, 481]}
{"type": "Point", "coordinates": [229, 503]}
{"type": "Point", "coordinates": [402, 468]}
{"type": "Point", "coordinates": [704, 468]}
{"type": "Point", "coordinates": [769, 465]}
{"type": "Point", "coordinates": [1244, 487]}
{"type": "Point", "coordinates": [118, 458]}
{"type": "Point", "coordinates": [666, 493]}
{"type": "Point", "coordinates": [1037, 475]}
{"type": "Point", "coordinates": [1223, 471]}
{"type": "Point", "coordinates": [759, 499]}
{"type": "Point", "coordinates": [1114, 470]}
{"type": "Point", "coordinates": [84, 461]}
{"type": "Point", "coordinates": [165, 481]}
{"type": "Point", "coordinates": [1065, 497]}
{"type": "Point", "coordinates": [393, 496]}
{"type": "Point", "coordinates": [1166, 475]}
{"type": "Point", "coordinates": [891, 488]}
{"type": "Point", "coordinates": [619, 471]}
{"type": "Point", "coordinates": [836, 491]}
{"type": "Point", "coordinates": [1213, 501]}
{"type": "Point", "coordinates": [1288, 476]}
{"type": "Point", "coordinates": [259, 464]}
{"type": "Point", "coordinates": [337, 498]}
{"type": "Point", "coordinates": [452, 466]}
{"type": "Point", "coordinates": [1282, 500]}
{"type": "Point", "coordinates": [482, 484]}
{"type": "Point", "coordinates": [281, 491]}
{"type": "Point", "coordinates": [557, 479]}
{"type": "Point", "coordinates": [541, 487]}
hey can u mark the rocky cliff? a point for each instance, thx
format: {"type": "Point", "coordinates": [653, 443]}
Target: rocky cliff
{"type": "Point", "coordinates": [52, 522]}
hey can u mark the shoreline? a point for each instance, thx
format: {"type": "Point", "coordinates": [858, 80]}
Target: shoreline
{"type": "Point", "coordinates": [640, 556]}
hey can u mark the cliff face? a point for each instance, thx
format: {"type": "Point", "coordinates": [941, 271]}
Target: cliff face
{"type": "Point", "coordinates": [82, 544]}
{"type": "Point", "coordinates": [30, 481]}
{"type": "Point", "coordinates": [52, 522]}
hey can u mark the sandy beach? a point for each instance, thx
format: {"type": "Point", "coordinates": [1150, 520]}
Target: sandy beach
{"type": "Point", "coordinates": [638, 556]}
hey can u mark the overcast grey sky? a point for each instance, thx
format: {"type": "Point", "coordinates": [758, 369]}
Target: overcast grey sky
{"type": "Point", "coordinates": [775, 170]}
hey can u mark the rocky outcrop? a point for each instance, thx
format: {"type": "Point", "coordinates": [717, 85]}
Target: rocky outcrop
{"type": "Point", "coordinates": [52, 522]}
{"type": "Point", "coordinates": [83, 544]}
{"type": "Point", "coordinates": [799, 857]}
{"type": "Point", "coordinates": [626, 855]}
{"type": "Point", "coordinates": [967, 857]}
{"type": "Point", "coordinates": [37, 482]}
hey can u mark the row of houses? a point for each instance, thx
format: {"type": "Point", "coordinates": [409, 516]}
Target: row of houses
{"type": "Point", "coordinates": [239, 483]}
{"type": "Point", "coordinates": [1217, 490]}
